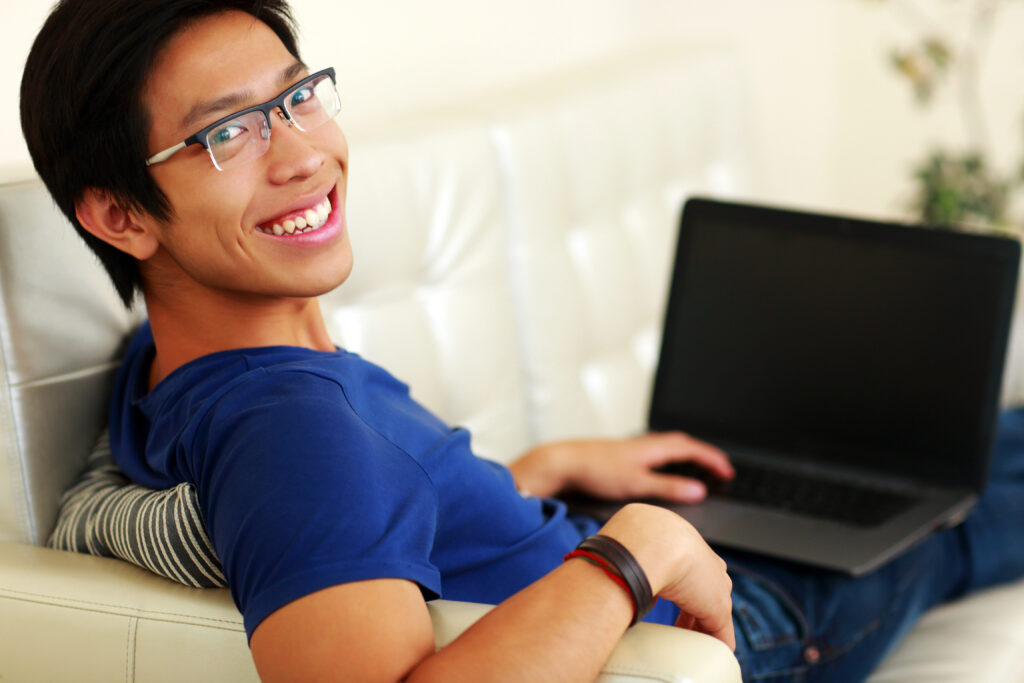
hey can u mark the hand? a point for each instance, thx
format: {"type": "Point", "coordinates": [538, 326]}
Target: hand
{"type": "Point", "coordinates": [680, 567]}
{"type": "Point", "coordinates": [621, 469]}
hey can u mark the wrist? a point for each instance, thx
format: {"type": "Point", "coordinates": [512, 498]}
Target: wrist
{"type": "Point", "coordinates": [543, 470]}
{"type": "Point", "coordinates": [656, 537]}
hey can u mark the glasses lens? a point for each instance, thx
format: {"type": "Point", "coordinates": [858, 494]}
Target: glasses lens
{"type": "Point", "coordinates": [239, 140]}
{"type": "Point", "coordinates": [313, 103]}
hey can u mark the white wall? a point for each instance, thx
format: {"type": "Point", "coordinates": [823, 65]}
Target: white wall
{"type": "Point", "coordinates": [831, 125]}
{"type": "Point", "coordinates": [19, 22]}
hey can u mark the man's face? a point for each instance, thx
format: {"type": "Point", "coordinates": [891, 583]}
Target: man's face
{"type": "Point", "coordinates": [220, 239]}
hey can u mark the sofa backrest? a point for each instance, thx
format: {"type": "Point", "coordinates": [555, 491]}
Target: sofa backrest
{"type": "Point", "coordinates": [511, 257]}
{"type": "Point", "coordinates": [519, 283]}
{"type": "Point", "coordinates": [429, 296]}
{"type": "Point", "coordinates": [595, 182]}
{"type": "Point", "coordinates": [61, 331]}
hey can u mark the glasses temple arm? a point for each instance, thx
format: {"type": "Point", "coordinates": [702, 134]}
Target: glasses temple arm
{"type": "Point", "coordinates": [166, 154]}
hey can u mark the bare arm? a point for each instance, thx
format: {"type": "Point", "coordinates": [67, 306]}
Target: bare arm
{"type": "Point", "coordinates": [380, 630]}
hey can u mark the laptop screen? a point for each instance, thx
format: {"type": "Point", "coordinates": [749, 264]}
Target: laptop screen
{"type": "Point", "coordinates": [873, 345]}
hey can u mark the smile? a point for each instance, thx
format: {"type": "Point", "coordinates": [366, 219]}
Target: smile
{"type": "Point", "coordinates": [299, 222]}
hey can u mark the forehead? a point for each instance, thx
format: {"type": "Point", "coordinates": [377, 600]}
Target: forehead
{"type": "Point", "coordinates": [212, 57]}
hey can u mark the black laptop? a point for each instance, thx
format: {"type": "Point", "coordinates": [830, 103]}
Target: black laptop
{"type": "Point", "coordinates": [851, 370]}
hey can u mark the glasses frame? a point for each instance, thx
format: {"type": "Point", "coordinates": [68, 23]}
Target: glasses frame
{"type": "Point", "coordinates": [276, 102]}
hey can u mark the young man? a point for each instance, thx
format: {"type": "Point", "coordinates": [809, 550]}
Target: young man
{"type": "Point", "coordinates": [197, 155]}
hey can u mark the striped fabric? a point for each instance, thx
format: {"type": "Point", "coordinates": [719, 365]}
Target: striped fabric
{"type": "Point", "coordinates": [162, 531]}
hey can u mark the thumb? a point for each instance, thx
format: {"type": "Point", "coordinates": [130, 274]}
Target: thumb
{"type": "Point", "coordinates": [674, 488]}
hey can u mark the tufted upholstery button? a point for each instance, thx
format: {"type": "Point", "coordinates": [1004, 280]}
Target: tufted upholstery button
{"type": "Point", "coordinates": [811, 654]}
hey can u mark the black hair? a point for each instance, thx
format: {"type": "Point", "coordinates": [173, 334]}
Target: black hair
{"type": "Point", "coordinates": [81, 103]}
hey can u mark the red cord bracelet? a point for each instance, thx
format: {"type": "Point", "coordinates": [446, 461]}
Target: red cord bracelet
{"type": "Point", "coordinates": [619, 563]}
{"type": "Point", "coordinates": [608, 569]}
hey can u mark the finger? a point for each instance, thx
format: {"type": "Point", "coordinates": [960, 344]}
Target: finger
{"type": "Point", "coordinates": [727, 635]}
{"type": "Point", "coordinates": [685, 621]}
{"type": "Point", "coordinates": [674, 443]}
{"type": "Point", "coordinates": [681, 447]}
{"type": "Point", "coordinates": [724, 633]}
{"type": "Point", "coordinates": [717, 621]}
{"type": "Point", "coordinates": [672, 487]}
{"type": "Point", "coordinates": [713, 608]}
{"type": "Point", "coordinates": [717, 626]}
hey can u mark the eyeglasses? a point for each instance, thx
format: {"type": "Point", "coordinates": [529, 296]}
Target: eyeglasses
{"type": "Point", "coordinates": [245, 135]}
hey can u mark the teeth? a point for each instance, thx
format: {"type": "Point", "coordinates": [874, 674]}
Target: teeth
{"type": "Point", "coordinates": [309, 220]}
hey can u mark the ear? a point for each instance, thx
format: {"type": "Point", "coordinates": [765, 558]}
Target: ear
{"type": "Point", "coordinates": [104, 218]}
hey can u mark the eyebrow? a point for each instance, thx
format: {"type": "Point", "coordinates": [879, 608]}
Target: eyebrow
{"type": "Point", "coordinates": [235, 100]}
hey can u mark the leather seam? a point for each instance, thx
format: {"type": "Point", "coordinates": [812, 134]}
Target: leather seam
{"type": "Point", "coordinates": [82, 605]}
{"type": "Point", "coordinates": [641, 673]}
{"type": "Point", "coordinates": [128, 648]}
{"type": "Point", "coordinates": [135, 646]}
{"type": "Point", "coordinates": [11, 426]}
{"type": "Point", "coordinates": [82, 373]}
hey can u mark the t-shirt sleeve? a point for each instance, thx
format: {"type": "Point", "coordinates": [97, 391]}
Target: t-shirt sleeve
{"type": "Point", "coordinates": [300, 494]}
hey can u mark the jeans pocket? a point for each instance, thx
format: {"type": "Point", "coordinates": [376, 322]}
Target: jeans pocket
{"type": "Point", "coordinates": [768, 616]}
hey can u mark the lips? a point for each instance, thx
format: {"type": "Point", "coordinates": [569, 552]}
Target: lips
{"type": "Point", "coordinates": [322, 213]}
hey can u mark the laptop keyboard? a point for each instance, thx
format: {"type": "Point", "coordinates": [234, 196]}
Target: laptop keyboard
{"type": "Point", "coordinates": [841, 502]}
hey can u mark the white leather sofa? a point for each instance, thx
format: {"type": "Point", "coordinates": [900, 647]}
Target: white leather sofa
{"type": "Point", "coordinates": [511, 261]}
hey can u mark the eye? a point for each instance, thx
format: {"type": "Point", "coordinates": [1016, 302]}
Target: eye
{"type": "Point", "coordinates": [301, 96]}
{"type": "Point", "coordinates": [227, 133]}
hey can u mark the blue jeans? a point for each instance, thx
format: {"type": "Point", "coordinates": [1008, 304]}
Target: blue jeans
{"type": "Point", "coordinates": [799, 624]}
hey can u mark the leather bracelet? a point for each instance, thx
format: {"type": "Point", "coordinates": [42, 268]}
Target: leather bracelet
{"type": "Point", "coordinates": [603, 564]}
{"type": "Point", "coordinates": [627, 567]}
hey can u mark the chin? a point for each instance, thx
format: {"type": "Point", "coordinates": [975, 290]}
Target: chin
{"type": "Point", "coordinates": [327, 282]}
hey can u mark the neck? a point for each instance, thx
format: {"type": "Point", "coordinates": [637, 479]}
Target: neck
{"type": "Point", "coordinates": [184, 329]}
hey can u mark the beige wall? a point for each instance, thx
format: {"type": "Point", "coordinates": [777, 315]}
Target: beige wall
{"type": "Point", "coordinates": [883, 130]}
{"type": "Point", "coordinates": [830, 125]}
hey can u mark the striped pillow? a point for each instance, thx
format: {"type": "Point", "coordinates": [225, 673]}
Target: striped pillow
{"type": "Point", "coordinates": [162, 531]}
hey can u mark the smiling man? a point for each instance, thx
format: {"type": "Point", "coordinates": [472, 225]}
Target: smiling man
{"type": "Point", "coordinates": [201, 161]}
{"type": "Point", "coordinates": [230, 267]}
{"type": "Point", "coordinates": [199, 158]}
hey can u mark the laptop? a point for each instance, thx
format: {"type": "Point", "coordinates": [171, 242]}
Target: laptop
{"type": "Point", "coordinates": [851, 369]}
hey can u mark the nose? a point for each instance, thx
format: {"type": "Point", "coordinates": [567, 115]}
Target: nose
{"type": "Point", "coordinates": [283, 116]}
{"type": "Point", "coordinates": [293, 154]}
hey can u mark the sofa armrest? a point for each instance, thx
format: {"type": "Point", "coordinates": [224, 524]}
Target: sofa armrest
{"type": "Point", "coordinates": [68, 616]}
{"type": "Point", "coordinates": [73, 617]}
{"type": "Point", "coordinates": [648, 652]}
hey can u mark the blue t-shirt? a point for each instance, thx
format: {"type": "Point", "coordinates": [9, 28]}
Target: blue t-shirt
{"type": "Point", "coordinates": [316, 468]}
